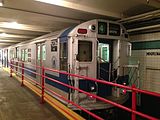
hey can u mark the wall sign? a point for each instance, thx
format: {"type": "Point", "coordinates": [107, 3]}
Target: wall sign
{"type": "Point", "coordinates": [152, 53]}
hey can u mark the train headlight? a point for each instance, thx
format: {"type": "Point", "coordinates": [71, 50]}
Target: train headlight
{"type": "Point", "coordinates": [92, 28]}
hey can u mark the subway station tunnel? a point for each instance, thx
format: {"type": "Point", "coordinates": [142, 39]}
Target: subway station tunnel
{"type": "Point", "coordinates": [79, 59]}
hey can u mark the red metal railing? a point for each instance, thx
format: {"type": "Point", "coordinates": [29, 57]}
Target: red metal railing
{"type": "Point", "coordinates": [43, 87]}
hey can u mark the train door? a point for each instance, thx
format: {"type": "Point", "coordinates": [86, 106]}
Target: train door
{"type": "Point", "coordinates": [104, 66]}
{"type": "Point", "coordinates": [0, 58]}
{"type": "Point", "coordinates": [85, 66]}
{"type": "Point", "coordinates": [40, 58]}
{"type": "Point", "coordinates": [5, 58]}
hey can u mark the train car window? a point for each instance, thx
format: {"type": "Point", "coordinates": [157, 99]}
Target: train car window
{"type": "Point", "coordinates": [103, 52]}
{"type": "Point", "coordinates": [84, 51]}
{"type": "Point", "coordinates": [63, 56]}
{"type": "Point", "coordinates": [39, 52]}
{"type": "Point", "coordinates": [26, 55]}
{"type": "Point", "coordinates": [44, 52]}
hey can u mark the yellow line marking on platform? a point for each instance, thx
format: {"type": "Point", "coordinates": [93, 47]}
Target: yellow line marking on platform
{"type": "Point", "coordinates": [55, 103]}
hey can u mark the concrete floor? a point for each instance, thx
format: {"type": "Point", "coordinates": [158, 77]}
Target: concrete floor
{"type": "Point", "coordinates": [20, 103]}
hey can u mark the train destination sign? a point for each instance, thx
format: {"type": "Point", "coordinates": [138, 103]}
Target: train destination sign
{"type": "Point", "coordinates": [114, 29]}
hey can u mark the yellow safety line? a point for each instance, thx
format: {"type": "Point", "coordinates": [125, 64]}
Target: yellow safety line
{"type": "Point", "coordinates": [55, 103]}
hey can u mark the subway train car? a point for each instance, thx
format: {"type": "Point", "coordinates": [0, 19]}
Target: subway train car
{"type": "Point", "coordinates": [96, 48]}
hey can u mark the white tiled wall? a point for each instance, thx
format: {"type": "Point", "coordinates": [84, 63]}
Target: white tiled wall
{"type": "Point", "coordinates": [146, 37]}
{"type": "Point", "coordinates": [149, 65]}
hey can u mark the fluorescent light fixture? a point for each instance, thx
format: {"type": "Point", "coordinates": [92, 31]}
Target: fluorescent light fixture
{"type": "Point", "coordinates": [54, 2]}
{"type": "Point", "coordinates": [1, 40]}
{"type": "Point", "coordinates": [13, 25]}
{"type": "Point", "coordinates": [1, 2]}
{"type": "Point", "coordinates": [3, 35]}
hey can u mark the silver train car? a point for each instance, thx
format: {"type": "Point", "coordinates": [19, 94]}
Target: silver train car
{"type": "Point", "coordinates": [96, 48]}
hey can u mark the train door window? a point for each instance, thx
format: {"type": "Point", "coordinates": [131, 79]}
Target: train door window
{"type": "Point", "coordinates": [11, 54]}
{"type": "Point", "coordinates": [43, 52]}
{"type": "Point", "coordinates": [22, 55]}
{"type": "Point", "coordinates": [84, 51]}
{"type": "Point", "coordinates": [17, 52]}
{"type": "Point", "coordinates": [39, 52]}
{"type": "Point", "coordinates": [26, 55]}
{"type": "Point", "coordinates": [63, 56]}
{"type": "Point", "coordinates": [0, 55]}
{"type": "Point", "coordinates": [14, 53]}
{"type": "Point", "coordinates": [103, 52]}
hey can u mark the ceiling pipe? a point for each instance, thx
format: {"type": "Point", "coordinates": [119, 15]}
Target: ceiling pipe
{"type": "Point", "coordinates": [143, 28]}
{"type": "Point", "coordinates": [157, 1]}
{"type": "Point", "coordinates": [9, 40]}
{"type": "Point", "coordinates": [147, 15]}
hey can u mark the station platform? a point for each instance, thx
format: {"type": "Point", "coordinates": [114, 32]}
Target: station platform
{"type": "Point", "coordinates": [20, 103]}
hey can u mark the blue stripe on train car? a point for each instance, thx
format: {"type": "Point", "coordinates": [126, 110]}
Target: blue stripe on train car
{"type": "Point", "coordinates": [30, 73]}
{"type": "Point", "coordinates": [62, 78]}
{"type": "Point", "coordinates": [64, 35]}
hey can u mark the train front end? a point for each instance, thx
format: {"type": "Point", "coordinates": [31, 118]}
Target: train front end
{"type": "Point", "coordinates": [98, 49]}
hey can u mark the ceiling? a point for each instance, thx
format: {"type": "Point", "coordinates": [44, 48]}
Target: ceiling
{"type": "Point", "coordinates": [36, 18]}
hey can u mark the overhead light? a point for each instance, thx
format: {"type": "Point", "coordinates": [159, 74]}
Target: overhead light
{"type": "Point", "coordinates": [1, 2]}
{"type": "Point", "coordinates": [13, 25]}
{"type": "Point", "coordinates": [54, 2]}
{"type": "Point", "coordinates": [3, 34]}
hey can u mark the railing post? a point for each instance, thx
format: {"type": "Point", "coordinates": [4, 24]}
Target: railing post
{"type": "Point", "coordinates": [133, 102]}
{"type": "Point", "coordinates": [22, 84]}
{"type": "Point", "coordinates": [110, 71]}
{"type": "Point", "coordinates": [42, 85]}
{"type": "Point", "coordinates": [11, 68]}
{"type": "Point", "coordinates": [16, 67]}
